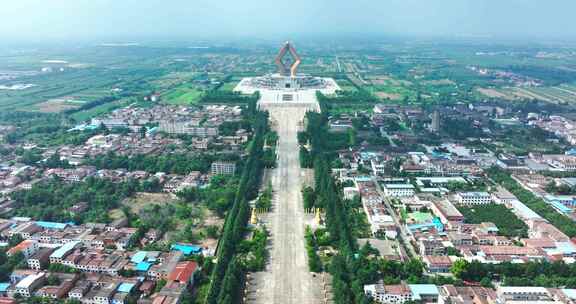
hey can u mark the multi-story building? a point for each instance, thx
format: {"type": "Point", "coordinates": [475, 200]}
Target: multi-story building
{"type": "Point", "coordinates": [402, 293]}
{"type": "Point", "coordinates": [523, 294]}
{"type": "Point", "coordinates": [57, 257]}
{"type": "Point", "coordinates": [399, 190]}
{"type": "Point", "coordinates": [437, 264]}
{"type": "Point", "coordinates": [431, 247]}
{"type": "Point", "coordinates": [389, 294]}
{"type": "Point", "coordinates": [223, 168]}
{"type": "Point", "coordinates": [446, 211]}
{"type": "Point", "coordinates": [473, 198]}
{"type": "Point", "coordinates": [39, 259]}
{"type": "Point", "coordinates": [29, 284]}
{"type": "Point", "coordinates": [27, 247]}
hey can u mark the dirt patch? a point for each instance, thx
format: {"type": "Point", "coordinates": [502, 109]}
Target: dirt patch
{"type": "Point", "coordinates": [391, 96]}
{"type": "Point", "coordinates": [308, 177]}
{"type": "Point", "coordinates": [380, 80]}
{"type": "Point", "coordinates": [493, 93]}
{"type": "Point", "coordinates": [56, 106]}
{"type": "Point", "coordinates": [530, 95]}
{"type": "Point", "coordinates": [210, 219]}
{"type": "Point", "coordinates": [143, 199]}
{"type": "Point", "coordinates": [439, 82]}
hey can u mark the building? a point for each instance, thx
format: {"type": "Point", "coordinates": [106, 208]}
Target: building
{"type": "Point", "coordinates": [473, 198]}
{"type": "Point", "coordinates": [40, 259]}
{"type": "Point", "coordinates": [503, 196]}
{"type": "Point", "coordinates": [446, 211]}
{"type": "Point", "coordinates": [27, 247]}
{"type": "Point", "coordinates": [437, 264]}
{"type": "Point", "coordinates": [184, 273]}
{"type": "Point", "coordinates": [450, 294]}
{"type": "Point", "coordinates": [427, 182]}
{"type": "Point", "coordinates": [435, 125]}
{"type": "Point", "coordinates": [389, 294]}
{"type": "Point", "coordinates": [402, 293]}
{"type": "Point", "coordinates": [223, 168]}
{"type": "Point", "coordinates": [523, 294]}
{"type": "Point", "coordinates": [29, 284]}
{"type": "Point", "coordinates": [431, 247]}
{"type": "Point", "coordinates": [57, 257]}
{"type": "Point", "coordinates": [399, 190]}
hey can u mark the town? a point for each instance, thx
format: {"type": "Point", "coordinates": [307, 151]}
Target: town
{"type": "Point", "coordinates": [311, 171]}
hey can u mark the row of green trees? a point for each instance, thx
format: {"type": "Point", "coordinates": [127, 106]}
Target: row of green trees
{"type": "Point", "coordinates": [226, 279]}
{"type": "Point", "coordinates": [221, 96]}
{"type": "Point", "coordinates": [350, 270]}
{"type": "Point", "coordinates": [538, 205]}
{"type": "Point", "coordinates": [546, 274]}
{"type": "Point", "coordinates": [253, 252]}
{"type": "Point", "coordinates": [314, 262]}
{"type": "Point", "coordinates": [359, 96]}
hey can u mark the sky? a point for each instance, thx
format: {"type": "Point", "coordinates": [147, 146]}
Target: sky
{"type": "Point", "coordinates": [31, 20]}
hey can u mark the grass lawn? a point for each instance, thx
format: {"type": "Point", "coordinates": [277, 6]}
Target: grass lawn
{"type": "Point", "coordinates": [182, 95]}
{"type": "Point", "coordinates": [229, 86]}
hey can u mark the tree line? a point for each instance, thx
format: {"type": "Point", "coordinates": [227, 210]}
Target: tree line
{"type": "Point", "coordinates": [349, 273]}
{"type": "Point", "coordinates": [545, 274]}
{"type": "Point", "coordinates": [227, 276]}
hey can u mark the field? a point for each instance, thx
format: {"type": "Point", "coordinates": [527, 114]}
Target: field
{"type": "Point", "coordinates": [561, 94]}
{"type": "Point", "coordinates": [101, 109]}
{"type": "Point", "coordinates": [58, 105]}
{"type": "Point", "coordinates": [182, 95]}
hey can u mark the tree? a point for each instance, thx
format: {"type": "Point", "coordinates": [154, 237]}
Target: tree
{"type": "Point", "coordinates": [53, 280]}
{"type": "Point", "coordinates": [486, 282]}
{"type": "Point", "coordinates": [459, 268]}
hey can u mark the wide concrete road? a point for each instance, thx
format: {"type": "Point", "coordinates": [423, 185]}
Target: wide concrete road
{"type": "Point", "coordinates": [287, 279]}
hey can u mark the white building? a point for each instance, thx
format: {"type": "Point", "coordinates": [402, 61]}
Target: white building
{"type": "Point", "coordinates": [523, 294]}
{"type": "Point", "coordinates": [378, 167]}
{"type": "Point", "coordinates": [388, 294]}
{"type": "Point", "coordinates": [473, 198]}
{"type": "Point", "coordinates": [223, 168]}
{"type": "Point", "coordinates": [399, 190]}
{"type": "Point", "coordinates": [30, 283]}
{"type": "Point", "coordinates": [503, 196]}
{"type": "Point", "coordinates": [402, 293]}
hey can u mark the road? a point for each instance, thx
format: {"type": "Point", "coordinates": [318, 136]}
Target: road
{"type": "Point", "coordinates": [286, 279]}
{"type": "Point", "coordinates": [405, 235]}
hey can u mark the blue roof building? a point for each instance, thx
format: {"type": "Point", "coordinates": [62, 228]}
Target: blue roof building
{"type": "Point", "coordinates": [424, 292]}
{"type": "Point", "coordinates": [62, 251]}
{"type": "Point", "coordinates": [187, 249]}
{"type": "Point", "coordinates": [4, 287]}
{"type": "Point", "coordinates": [125, 287]}
{"type": "Point", "coordinates": [51, 225]}
{"type": "Point", "coordinates": [139, 257]}
{"type": "Point", "coordinates": [143, 266]}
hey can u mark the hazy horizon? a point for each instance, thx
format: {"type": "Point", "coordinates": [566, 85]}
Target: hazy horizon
{"type": "Point", "coordinates": [40, 20]}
